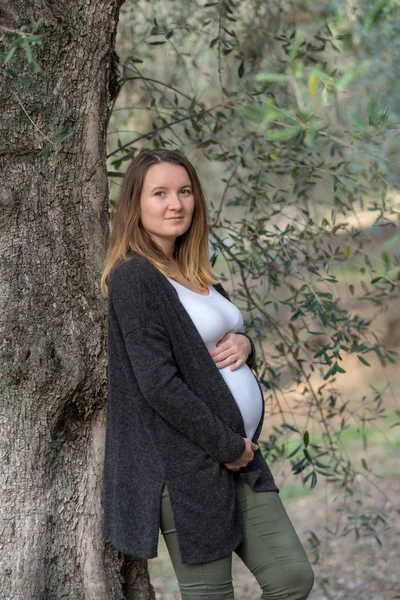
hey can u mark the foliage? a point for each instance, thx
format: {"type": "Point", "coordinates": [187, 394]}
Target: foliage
{"type": "Point", "coordinates": [22, 67]}
{"type": "Point", "coordinates": [281, 106]}
{"type": "Point", "coordinates": [13, 41]}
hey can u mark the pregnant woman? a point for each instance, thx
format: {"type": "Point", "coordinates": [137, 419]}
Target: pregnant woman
{"type": "Point", "coordinates": [184, 408]}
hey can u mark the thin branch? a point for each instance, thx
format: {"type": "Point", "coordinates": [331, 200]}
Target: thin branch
{"type": "Point", "coordinates": [34, 124]}
{"type": "Point", "coordinates": [160, 83]}
{"type": "Point", "coordinates": [167, 126]}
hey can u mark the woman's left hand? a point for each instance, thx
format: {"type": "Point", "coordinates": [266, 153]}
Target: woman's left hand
{"type": "Point", "coordinates": [232, 349]}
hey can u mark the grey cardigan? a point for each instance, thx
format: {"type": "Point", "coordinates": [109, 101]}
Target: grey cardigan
{"type": "Point", "coordinates": [170, 418]}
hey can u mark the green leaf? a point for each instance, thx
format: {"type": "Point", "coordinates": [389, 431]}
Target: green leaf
{"type": "Point", "coordinates": [347, 39]}
{"type": "Point", "coordinates": [320, 464]}
{"type": "Point", "coordinates": [65, 136]}
{"type": "Point", "coordinates": [327, 79]}
{"type": "Point", "coordinates": [386, 260]}
{"type": "Point", "coordinates": [271, 77]}
{"type": "Point", "coordinates": [375, 13]}
{"type": "Point", "coordinates": [391, 242]}
{"type": "Point", "coordinates": [310, 136]}
{"type": "Point", "coordinates": [294, 51]}
{"type": "Point", "coordinates": [283, 134]}
{"type": "Point", "coordinates": [313, 477]}
{"type": "Point", "coordinates": [10, 53]}
{"type": "Point", "coordinates": [253, 112]}
{"type": "Point", "coordinates": [362, 359]}
{"type": "Point", "coordinates": [28, 52]}
{"type": "Point", "coordinates": [293, 452]}
{"type": "Point", "coordinates": [306, 438]}
{"type": "Point", "coordinates": [350, 76]}
{"type": "Point", "coordinates": [307, 455]}
{"type": "Point", "coordinates": [36, 26]}
{"type": "Point", "coordinates": [360, 123]}
{"type": "Point", "coordinates": [328, 29]}
{"type": "Point", "coordinates": [205, 144]}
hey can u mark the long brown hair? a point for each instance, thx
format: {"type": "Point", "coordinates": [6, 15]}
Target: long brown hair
{"type": "Point", "coordinates": [128, 235]}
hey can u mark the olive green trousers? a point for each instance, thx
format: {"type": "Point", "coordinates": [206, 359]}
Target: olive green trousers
{"type": "Point", "coordinates": [270, 549]}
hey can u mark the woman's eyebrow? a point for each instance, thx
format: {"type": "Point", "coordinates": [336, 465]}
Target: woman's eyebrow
{"type": "Point", "coordinates": [163, 187]}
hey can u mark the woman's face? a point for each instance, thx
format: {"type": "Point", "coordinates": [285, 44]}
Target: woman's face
{"type": "Point", "coordinates": [166, 194]}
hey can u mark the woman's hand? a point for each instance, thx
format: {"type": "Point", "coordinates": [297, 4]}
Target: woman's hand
{"type": "Point", "coordinates": [246, 457]}
{"type": "Point", "coordinates": [232, 349]}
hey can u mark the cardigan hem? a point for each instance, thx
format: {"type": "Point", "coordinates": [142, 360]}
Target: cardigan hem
{"type": "Point", "coordinates": [147, 555]}
{"type": "Point", "coordinates": [143, 554]}
{"type": "Point", "coordinates": [216, 555]}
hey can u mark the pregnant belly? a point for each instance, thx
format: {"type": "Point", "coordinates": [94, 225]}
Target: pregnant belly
{"type": "Point", "coordinates": [247, 393]}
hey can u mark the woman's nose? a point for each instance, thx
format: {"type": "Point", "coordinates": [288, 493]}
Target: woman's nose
{"type": "Point", "coordinates": [175, 201]}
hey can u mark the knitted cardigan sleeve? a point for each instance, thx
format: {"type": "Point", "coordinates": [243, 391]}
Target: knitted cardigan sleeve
{"type": "Point", "coordinates": [157, 375]}
{"type": "Point", "coordinates": [251, 360]}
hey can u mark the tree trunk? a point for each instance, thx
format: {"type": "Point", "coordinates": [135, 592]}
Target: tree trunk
{"type": "Point", "coordinates": [54, 225]}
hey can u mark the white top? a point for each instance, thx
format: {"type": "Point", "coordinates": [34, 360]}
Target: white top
{"type": "Point", "coordinates": [214, 316]}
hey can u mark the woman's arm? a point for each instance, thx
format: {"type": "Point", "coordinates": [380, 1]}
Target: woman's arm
{"type": "Point", "coordinates": [157, 376]}
{"type": "Point", "coordinates": [153, 364]}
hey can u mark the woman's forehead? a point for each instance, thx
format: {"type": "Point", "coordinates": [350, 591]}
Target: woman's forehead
{"type": "Point", "coordinates": [166, 175]}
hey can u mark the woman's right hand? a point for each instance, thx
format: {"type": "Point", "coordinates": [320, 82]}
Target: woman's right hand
{"type": "Point", "coordinates": [246, 457]}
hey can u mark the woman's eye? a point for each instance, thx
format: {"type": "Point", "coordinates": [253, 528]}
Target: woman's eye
{"type": "Point", "coordinates": [183, 191]}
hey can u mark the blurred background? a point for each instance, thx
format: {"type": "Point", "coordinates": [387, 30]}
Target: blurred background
{"type": "Point", "coordinates": [289, 111]}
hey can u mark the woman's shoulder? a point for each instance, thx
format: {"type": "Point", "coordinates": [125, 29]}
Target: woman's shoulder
{"type": "Point", "coordinates": [132, 294]}
{"type": "Point", "coordinates": [136, 269]}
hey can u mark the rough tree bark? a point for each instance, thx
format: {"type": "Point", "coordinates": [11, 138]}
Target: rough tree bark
{"type": "Point", "coordinates": [54, 224]}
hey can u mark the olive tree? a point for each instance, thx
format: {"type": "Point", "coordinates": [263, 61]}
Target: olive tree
{"type": "Point", "coordinates": [58, 80]}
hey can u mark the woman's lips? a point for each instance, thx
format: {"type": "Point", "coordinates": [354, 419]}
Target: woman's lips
{"type": "Point", "coordinates": [175, 219]}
